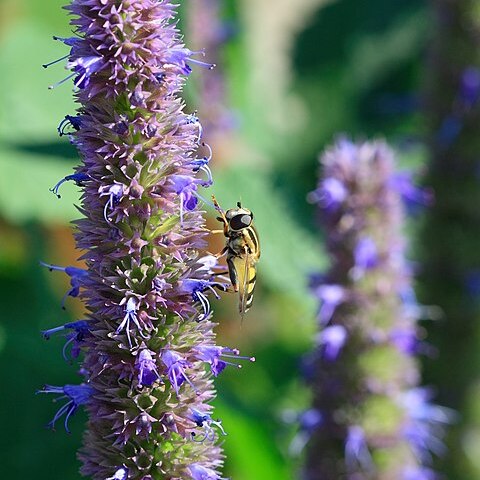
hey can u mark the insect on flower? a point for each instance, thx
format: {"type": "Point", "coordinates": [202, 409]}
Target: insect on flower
{"type": "Point", "coordinates": [242, 249]}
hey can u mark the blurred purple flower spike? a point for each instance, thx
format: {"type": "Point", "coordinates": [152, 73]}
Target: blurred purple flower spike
{"type": "Point", "coordinates": [367, 327]}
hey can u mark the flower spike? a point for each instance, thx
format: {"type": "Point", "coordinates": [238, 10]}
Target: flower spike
{"type": "Point", "coordinates": [147, 283]}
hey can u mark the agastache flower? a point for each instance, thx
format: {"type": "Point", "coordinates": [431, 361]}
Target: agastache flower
{"type": "Point", "coordinates": [329, 195]}
{"type": "Point", "coordinates": [176, 366]}
{"type": "Point", "coordinates": [219, 357]}
{"type": "Point", "coordinates": [73, 121]}
{"type": "Point", "coordinates": [75, 395]}
{"type": "Point", "coordinates": [363, 362]}
{"type": "Point", "coordinates": [146, 286]}
{"type": "Point", "coordinates": [77, 278]}
{"type": "Point", "coordinates": [180, 58]}
{"type": "Point", "coordinates": [79, 331]}
{"type": "Point", "coordinates": [308, 421]}
{"type": "Point", "coordinates": [130, 320]}
{"type": "Point", "coordinates": [197, 287]}
{"type": "Point", "coordinates": [78, 178]}
{"type": "Point", "coordinates": [120, 474]}
{"type": "Point", "coordinates": [411, 194]}
{"type": "Point", "coordinates": [331, 340]}
{"type": "Point", "coordinates": [114, 194]}
{"type": "Point", "coordinates": [365, 256]}
{"type": "Point", "coordinates": [209, 426]}
{"type": "Point", "coordinates": [199, 472]}
{"type": "Point", "coordinates": [146, 367]}
{"type": "Point", "coordinates": [356, 450]}
{"type": "Point", "coordinates": [331, 297]}
{"type": "Point", "coordinates": [470, 87]}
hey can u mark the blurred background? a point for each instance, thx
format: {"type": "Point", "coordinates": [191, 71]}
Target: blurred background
{"type": "Point", "coordinates": [290, 76]}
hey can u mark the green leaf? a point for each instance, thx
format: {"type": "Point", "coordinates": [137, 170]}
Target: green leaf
{"type": "Point", "coordinates": [250, 448]}
{"type": "Point", "coordinates": [24, 184]}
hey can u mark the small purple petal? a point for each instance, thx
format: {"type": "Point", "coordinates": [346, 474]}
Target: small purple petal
{"type": "Point", "coordinates": [331, 297]}
{"type": "Point", "coordinates": [199, 472]}
{"type": "Point", "coordinates": [356, 450]}
{"type": "Point", "coordinates": [146, 368]}
{"type": "Point", "coordinates": [332, 339]}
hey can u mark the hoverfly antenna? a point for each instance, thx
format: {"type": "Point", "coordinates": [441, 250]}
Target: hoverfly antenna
{"type": "Point", "coordinates": [239, 204]}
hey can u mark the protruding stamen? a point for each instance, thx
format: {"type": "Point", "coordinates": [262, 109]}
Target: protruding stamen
{"type": "Point", "coordinates": [130, 316]}
{"type": "Point", "coordinates": [215, 356]}
{"type": "Point", "coordinates": [55, 85]}
{"type": "Point", "coordinates": [70, 41]}
{"type": "Point", "coordinates": [210, 66]}
{"type": "Point", "coordinates": [115, 193]}
{"type": "Point", "coordinates": [46, 65]}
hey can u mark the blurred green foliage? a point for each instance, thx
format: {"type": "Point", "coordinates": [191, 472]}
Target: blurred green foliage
{"type": "Point", "coordinates": [353, 67]}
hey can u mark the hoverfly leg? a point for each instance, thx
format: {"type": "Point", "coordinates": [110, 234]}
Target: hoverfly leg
{"type": "Point", "coordinates": [222, 252]}
{"type": "Point", "coordinates": [217, 274]}
{"type": "Point", "coordinates": [219, 210]}
{"type": "Point", "coordinates": [232, 273]}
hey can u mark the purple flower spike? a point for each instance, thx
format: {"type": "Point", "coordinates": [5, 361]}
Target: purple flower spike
{"type": "Point", "coordinates": [75, 394]}
{"type": "Point", "coordinates": [147, 283]}
{"type": "Point", "coordinates": [364, 356]}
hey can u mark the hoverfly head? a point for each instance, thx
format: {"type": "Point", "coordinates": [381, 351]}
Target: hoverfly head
{"type": "Point", "coordinates": [239, 218]}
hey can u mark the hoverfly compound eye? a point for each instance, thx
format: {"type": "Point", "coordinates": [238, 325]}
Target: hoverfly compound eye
{"type": "Point", "coordinates": [240, 221]}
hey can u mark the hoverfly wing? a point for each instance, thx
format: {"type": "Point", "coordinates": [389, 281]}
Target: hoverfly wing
{"type": "Point", "coordinates": [246, 271]}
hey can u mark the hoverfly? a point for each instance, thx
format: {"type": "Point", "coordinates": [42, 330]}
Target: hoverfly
{"type": "Point", "coordinates": [242, 249]}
